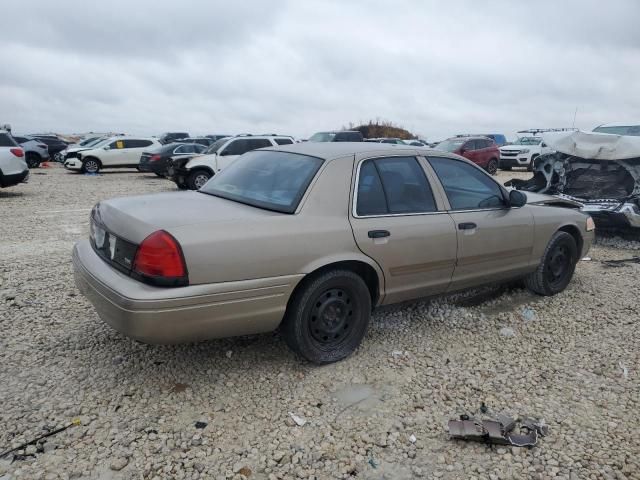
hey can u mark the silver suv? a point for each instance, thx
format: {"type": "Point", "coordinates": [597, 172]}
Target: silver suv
{"type": "Point", "coordinates": [35, 152]}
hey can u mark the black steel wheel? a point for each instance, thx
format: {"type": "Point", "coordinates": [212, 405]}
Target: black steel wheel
{"type": "Point", "coordinates": [328, 316]}
{"type": "Point", "coordinates": [557, 266]}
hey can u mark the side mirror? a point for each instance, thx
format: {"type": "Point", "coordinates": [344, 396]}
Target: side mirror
{"type": "Point", "coordinates": [224, 153]}
{"type": "Point", "coordinates": [543, 145]}
{"type": "Point", "coordinates": [517, 199]}
{"type": "Point", "coordinates": [107, 147]}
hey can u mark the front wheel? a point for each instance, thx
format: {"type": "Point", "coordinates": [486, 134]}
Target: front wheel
{"type": "Point", "coordinates": [90, 165]}
{"type": "Point", "coordinates": [328, 317]}
{"type": "Point", "coordinates": [557, 266]}
{"type": "Point", "coordinates": [492, 166]}
{"type": "Point", "coordinates": [197, 179]}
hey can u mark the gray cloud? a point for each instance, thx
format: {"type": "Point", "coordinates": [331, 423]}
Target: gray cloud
{"type": "Point", "coordinates": [298, 67]}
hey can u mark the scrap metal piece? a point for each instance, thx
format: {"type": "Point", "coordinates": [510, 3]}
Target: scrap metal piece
{"type": "Point", "coordinates": [498, 430]}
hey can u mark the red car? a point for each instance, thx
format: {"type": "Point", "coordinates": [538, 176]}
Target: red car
{"type": "Point", "coordinates": [482, 151]}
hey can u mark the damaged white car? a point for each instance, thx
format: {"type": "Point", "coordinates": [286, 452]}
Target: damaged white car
{"type": "Point", "coordinates": [599, 170]}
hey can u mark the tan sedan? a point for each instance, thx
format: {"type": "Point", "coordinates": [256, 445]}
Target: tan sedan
{"type": "Point", "coordinates": [311, 237]}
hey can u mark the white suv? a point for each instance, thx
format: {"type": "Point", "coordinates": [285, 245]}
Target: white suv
{"type": "Point", "coordinates": [522, 153]}
{"type": "Point", "coordinates": [13, 168]}
{"type": "Point", "coordinates": [116, 152]}
{"type": "Point", "coordinates": [195, 171]}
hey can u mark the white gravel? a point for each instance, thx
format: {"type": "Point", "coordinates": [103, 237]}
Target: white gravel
{"type": "Point", "coordinates": [380, 414]}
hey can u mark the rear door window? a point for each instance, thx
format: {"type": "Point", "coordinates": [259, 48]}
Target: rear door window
{"type": "Point", "coordinates": [395, 186]}
{"type": "Point", "coordinates": [136, 143]}
{"type": "Point", "coordinates": [467, 187]}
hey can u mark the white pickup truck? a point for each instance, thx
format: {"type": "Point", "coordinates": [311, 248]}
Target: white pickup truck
{"type": "Point", "coordinates": [522, 153]}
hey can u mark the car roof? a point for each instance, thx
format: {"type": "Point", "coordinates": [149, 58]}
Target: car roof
{"type": "Point", "coordinates": [619, 124]}
{"type": "Point", "coordinates": [332, 150]}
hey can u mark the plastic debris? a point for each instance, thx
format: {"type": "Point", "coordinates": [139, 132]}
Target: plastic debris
{"type": "Point", "coordinates": [413, 439]}
{"type": "Point", "coordinates": [507, 332]}
{"type": "Point", "coordinates": [300, 421]}
{"type": "Point", "coordinates": [528, 314]}
{"type": "Point", "coordinates": [586, 259]}
{"type": "Point", "coordinates": [625, 370]}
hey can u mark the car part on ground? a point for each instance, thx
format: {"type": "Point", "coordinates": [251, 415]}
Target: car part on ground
{"type": "Point", "coordinates": [499, 429]}
{"type": "Point", "coordinates": [317, 234]}
{"type": "Point", "coordinates": [601, 171]}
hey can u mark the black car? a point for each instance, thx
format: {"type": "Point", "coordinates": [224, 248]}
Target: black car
{"type": "Point", "coordinates": [170, 137]}
{"type": "Point", "coordinates": [338, 136]}
{"type": "Point", "coordinates": [215, 138]}
{"type": "Point", "coordinates": [158, 160]}
{"type": "Point", "coordinates": [206, 141]}
{"type": "Point", "coordinates": [54, 144]}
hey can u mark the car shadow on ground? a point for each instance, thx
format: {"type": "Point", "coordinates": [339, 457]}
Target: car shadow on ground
{"type": "Point", "coordinates": [12, 194]}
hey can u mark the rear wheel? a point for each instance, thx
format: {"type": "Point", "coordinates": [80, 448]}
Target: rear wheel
{"type": "Point", "coordinates": [197, 179]}
{"type": "Point", "coordinates": [557, 266]}
{"type": "Point", "coordinates": [33, 160]}
{"type": "Point", "coordinates": [492, 166]}
{"type": "Point", "coordinates": [90, 165]}
{"type": "Point", "coordinates": [328, 317]}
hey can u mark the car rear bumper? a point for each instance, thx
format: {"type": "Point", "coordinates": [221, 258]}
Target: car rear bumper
{"type": "Point", "coordinates": [14, 178]}
{"type": "Point", "coordinates": [184, 314]}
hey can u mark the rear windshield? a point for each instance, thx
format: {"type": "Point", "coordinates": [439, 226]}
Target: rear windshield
{"type": "Point", "coordinates": [266, 179]}
{"type": "Point", "coordinates": [322, 137]}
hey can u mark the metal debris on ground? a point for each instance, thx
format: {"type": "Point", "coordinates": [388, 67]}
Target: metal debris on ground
{"type": "Point", "coordinates": [620, 262]}
{"type": "Point", "coordinates": [300, 421]}
{"type": "Point", "coordinates": [75, 422]}
{"type": "Point", "coordinates": [499, 430]}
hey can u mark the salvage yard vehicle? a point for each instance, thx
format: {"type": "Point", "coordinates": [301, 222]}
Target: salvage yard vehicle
{"type": "Point", "coordinates": [337, 136]}
{"type": "Point", "coordinates": [601, 171]}
{"type": "Point", "coordinates": [629, 129]}
{"type": "Point", "coordinates": [117, 152]}
{"type": "Point", "coordinates": [13, 168]}
{"type": "Point", "coordinates": [35, 151]}
{"type": "Point", "coordinates": [522, 153]}
{"type": "Point", "coordinates": [310, 237]}
{"type": "Point", "coordinates": [193, 173]}
{"type": "Point", "coordinates": [482, 151]}
{"type": "Point", "coordinates": [159, 159]}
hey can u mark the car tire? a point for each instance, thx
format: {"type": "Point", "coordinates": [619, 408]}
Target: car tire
{"type": "Point", "coordinates": [197, 178]}
{"type": "Point", "coordinates": [90, 165]}
{"type": "Point", "coordinates": [557, 266]}
{"type": "Point", "coordinates": [328, 316]}
{"type": "Point", "coordinates": [530, 166]}
{"type": "Point", "coordinates": [182, 186]}
{"type": "Point", "coordinates": [33, 160]}
{"type": "Point", "coordinates": [492, 166]}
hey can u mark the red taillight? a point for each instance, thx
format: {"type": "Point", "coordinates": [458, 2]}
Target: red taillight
{"type": "Point", "coordinates": [18, 152]}
{"type": "Point", "coordinates": [159, 256]}
{"type": "Point", "coordinates": [154, 158]}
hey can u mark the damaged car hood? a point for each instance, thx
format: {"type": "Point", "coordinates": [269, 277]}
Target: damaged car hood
{"type": "Point", "coordinates": [595, 146]}
{"type": "Point", "coordinates": [601, 171]}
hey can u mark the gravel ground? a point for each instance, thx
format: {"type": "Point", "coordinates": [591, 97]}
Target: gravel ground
{"type": "Point", "coordinates": [572, 360]}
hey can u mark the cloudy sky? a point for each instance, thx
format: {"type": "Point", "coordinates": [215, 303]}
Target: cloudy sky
{"type": "Point", "coordinates": [299, 66]}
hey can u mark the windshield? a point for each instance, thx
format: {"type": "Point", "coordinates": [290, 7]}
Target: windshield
{"type": "Point", "coordinates": [528, 141]}
{"type": "Point", "coordinates": [266, 179]}
{"type": "Point", "coordinates": [322, 137]}
{"type": "Point", "coordinates": [215, 146]}
{"type": "Point", "coordinates": [632, 130]}
{"type": "Point", "coordinates": [450, 145]}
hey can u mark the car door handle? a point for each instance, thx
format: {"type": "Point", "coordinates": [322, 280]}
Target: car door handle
{"type": "Point", "coordinates": [467, 226]}
{"type": "Point", "coordinates": [379, 233]}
